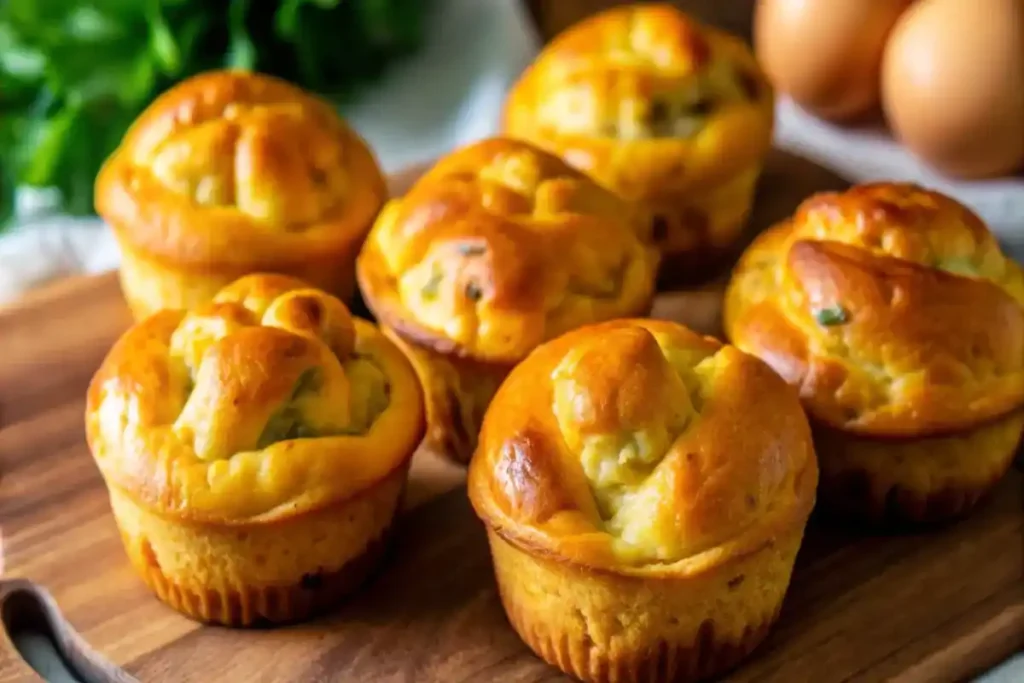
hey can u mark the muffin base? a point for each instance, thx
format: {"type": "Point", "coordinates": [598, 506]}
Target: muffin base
{"type": "Point", "coordinates": [457, 392]}
{"type": "Point", "coordinates": [149, 285]}
{"type": "Point", "coordinates": [681, 271]}
{"type": "Point", "coordinates": [252, 574]}
{"type": "Point", "coordinates": [603, 627]}
{"type": "Point", "coordinates": [256, 606]}
{"type": "Point", "coordinates": [705, 233]}
{"type": "Point", "coordinates": [913, 481]}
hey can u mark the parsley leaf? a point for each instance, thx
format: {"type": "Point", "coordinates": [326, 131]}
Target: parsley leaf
{"type": "Point", "coordinates": [829, 317]}
{"type": "Point", "coordinates": [74, 74]}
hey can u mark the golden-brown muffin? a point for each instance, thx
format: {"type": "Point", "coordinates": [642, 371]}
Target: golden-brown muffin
{"type": "Point", "coordinates": [659, 108]}
{"type": "Point", "coordinates": [255, 449]}
{"type": "Point", "coordinates": [230, 173]}
{"type": "Point", "coordinates": [499, 247]}
{"type": "Point", "coordinates": [645, 491]}
{"type": "Point", "coordinates": [899, 319]}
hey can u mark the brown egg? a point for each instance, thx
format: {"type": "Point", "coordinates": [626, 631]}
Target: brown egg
{"type": "Point", "coordinates": [953, 85]}
{"type": "Point", "coordinates": [826, 54]}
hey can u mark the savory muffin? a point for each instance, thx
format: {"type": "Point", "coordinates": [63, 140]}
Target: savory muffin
{"type": "Point", "coordinates": [255, 449]}
{"type": "Point", "coordinates": [230, 173]}
{"type": "Point", "coordinates": [497, 248]}
{"type": "Point", "coordinates": [893, 311]}
{"type": "Point", "coordinates": [661, 109]}
{"type": "Point", "coordinates": [645, 491]}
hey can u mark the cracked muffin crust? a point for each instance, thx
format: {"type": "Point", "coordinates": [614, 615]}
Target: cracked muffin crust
{"type": "Point", "coordinates": [497, 248]}
{"type": "Point", "coordinates": [639, 529]}
{"type": "Point", "coordinates": [254, 449]}
{"type": "Point", "coordinates": [893, 311]}
{"type": "Point", "coordinates": [661, 109]}
{"type": "Point", "coordinates": [229, 173]}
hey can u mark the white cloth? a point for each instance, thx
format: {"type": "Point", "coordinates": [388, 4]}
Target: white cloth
{"type": "Point", "coordinates": [868, 154]}
{"type": "Point", "coordinates": [448, 95]}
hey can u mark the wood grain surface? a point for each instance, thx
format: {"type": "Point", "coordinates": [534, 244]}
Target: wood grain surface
{"type": "Point", "coordinates": [928, 607]}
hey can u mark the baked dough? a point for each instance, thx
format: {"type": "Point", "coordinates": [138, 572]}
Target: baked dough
{"type": "Point", "coordinates": [661, 109]}
{"type": "Point", "coordinates": [497, 248]}
{"type": "Point", "coordinates": [254, 449]}
{"type": "Point", "coordinates": [893, 311]}
{"type": "Point", "coordinates": [230, 173]}
{"type": "Point", "coordinates": [645, 491]}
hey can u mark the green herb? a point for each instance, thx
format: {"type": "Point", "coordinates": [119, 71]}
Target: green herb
{"type": "Point", "coordinates": [286, 423]}
{"type": "Point", "coordinates": [702, 107]}
{"type": "Point", "coordinates": [836, 315]}
{"type": "Point", "coordinates": [433, 285]}
{"type": "Point", "coordinates": [74, 74]}
{"type": "Point", "coordinates": [310, 381]}
{"type": "Point", "coordinates": [473, 291]}
{"type": "Point", "coordinates": [471, 249]}
{"type": "Point", "coordinates": [658, 113]}
{"type": "Point", "coordinates": [959, 266]}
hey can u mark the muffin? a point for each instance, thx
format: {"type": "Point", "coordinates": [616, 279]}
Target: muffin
{"type": "Point", "coordinates": [230, 173]}
{"type": "Point", "coordinates": [497, 248]}
{"type": "Point", "coordinates": [254, 450]}
{"type": "Point", "coordinates": [893, 311]}
{"type": "Point", "coordinates": [663, 110]}
{"type": "Point", "coordinates": [645, 491]}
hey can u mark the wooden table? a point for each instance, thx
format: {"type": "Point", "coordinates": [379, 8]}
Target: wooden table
{"type": "Point", "coordinates": [920, 608]}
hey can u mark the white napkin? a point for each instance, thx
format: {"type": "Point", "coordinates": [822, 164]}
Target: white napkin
{"type": "Point", "coordinates": [866, 154]}
{"type": "Point", "coordinates": [448, 95]}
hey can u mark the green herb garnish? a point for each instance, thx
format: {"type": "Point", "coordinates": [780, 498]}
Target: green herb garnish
{"type": "Point", "coordinates": [75, 74]}
{"type": "Point", "coordinates": [287, 423]}
{"type": "Point", "coordinates": [432, 286]}
{"type": "Point", "coordinates": [309, 381]}
{"type": "Point", "coordinates": [835, 315]}
{"type": "Point", "coordinates": [471, 249]}
{"type": "Point", "coordinates": [658, 113]}
{"type": "Point", "coordinates": [473, 291]}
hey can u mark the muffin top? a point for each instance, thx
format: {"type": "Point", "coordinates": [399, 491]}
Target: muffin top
{"type": "Point", "coordinates": [501, 246]}
{"type": "Point", "coordinates": [639, 446]}
{"type": "Point", "coordinates": [233, 167]}
{"type": "Point", "coordinates": [891, 307]}
{"type": "Point", "coordinates": [270, 401]}
{"type": "Point", "coordinates": [647, 100]}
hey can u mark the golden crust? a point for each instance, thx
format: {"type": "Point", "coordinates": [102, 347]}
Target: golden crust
{"type": "Point", "coordinates": [890, 307]}
{"type": "Point", "coordinates": [269, 402]}
{"type": "Point", "coordinates": [501, 246]}
{"type": "Point", "coordinates": [497, 248]}
{"type": "Point", "coordinates": [616, 447]}
{"type": "Point", "coordinates": [232, 172]}
{"type": "Point", "coordinates": [658, 107]}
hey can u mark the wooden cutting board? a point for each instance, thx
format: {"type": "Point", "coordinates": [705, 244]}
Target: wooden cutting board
{"type": "Point", "coordinates": [927, 607]}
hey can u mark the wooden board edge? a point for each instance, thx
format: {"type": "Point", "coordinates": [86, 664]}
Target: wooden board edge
{"type": "Point", "coordinates": [974, 653]}
{"type": "Point", "coordinates": [27, 609]}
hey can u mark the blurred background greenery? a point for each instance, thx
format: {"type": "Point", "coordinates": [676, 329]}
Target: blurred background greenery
{"type": "Point", "coordinates": [75, 73]}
